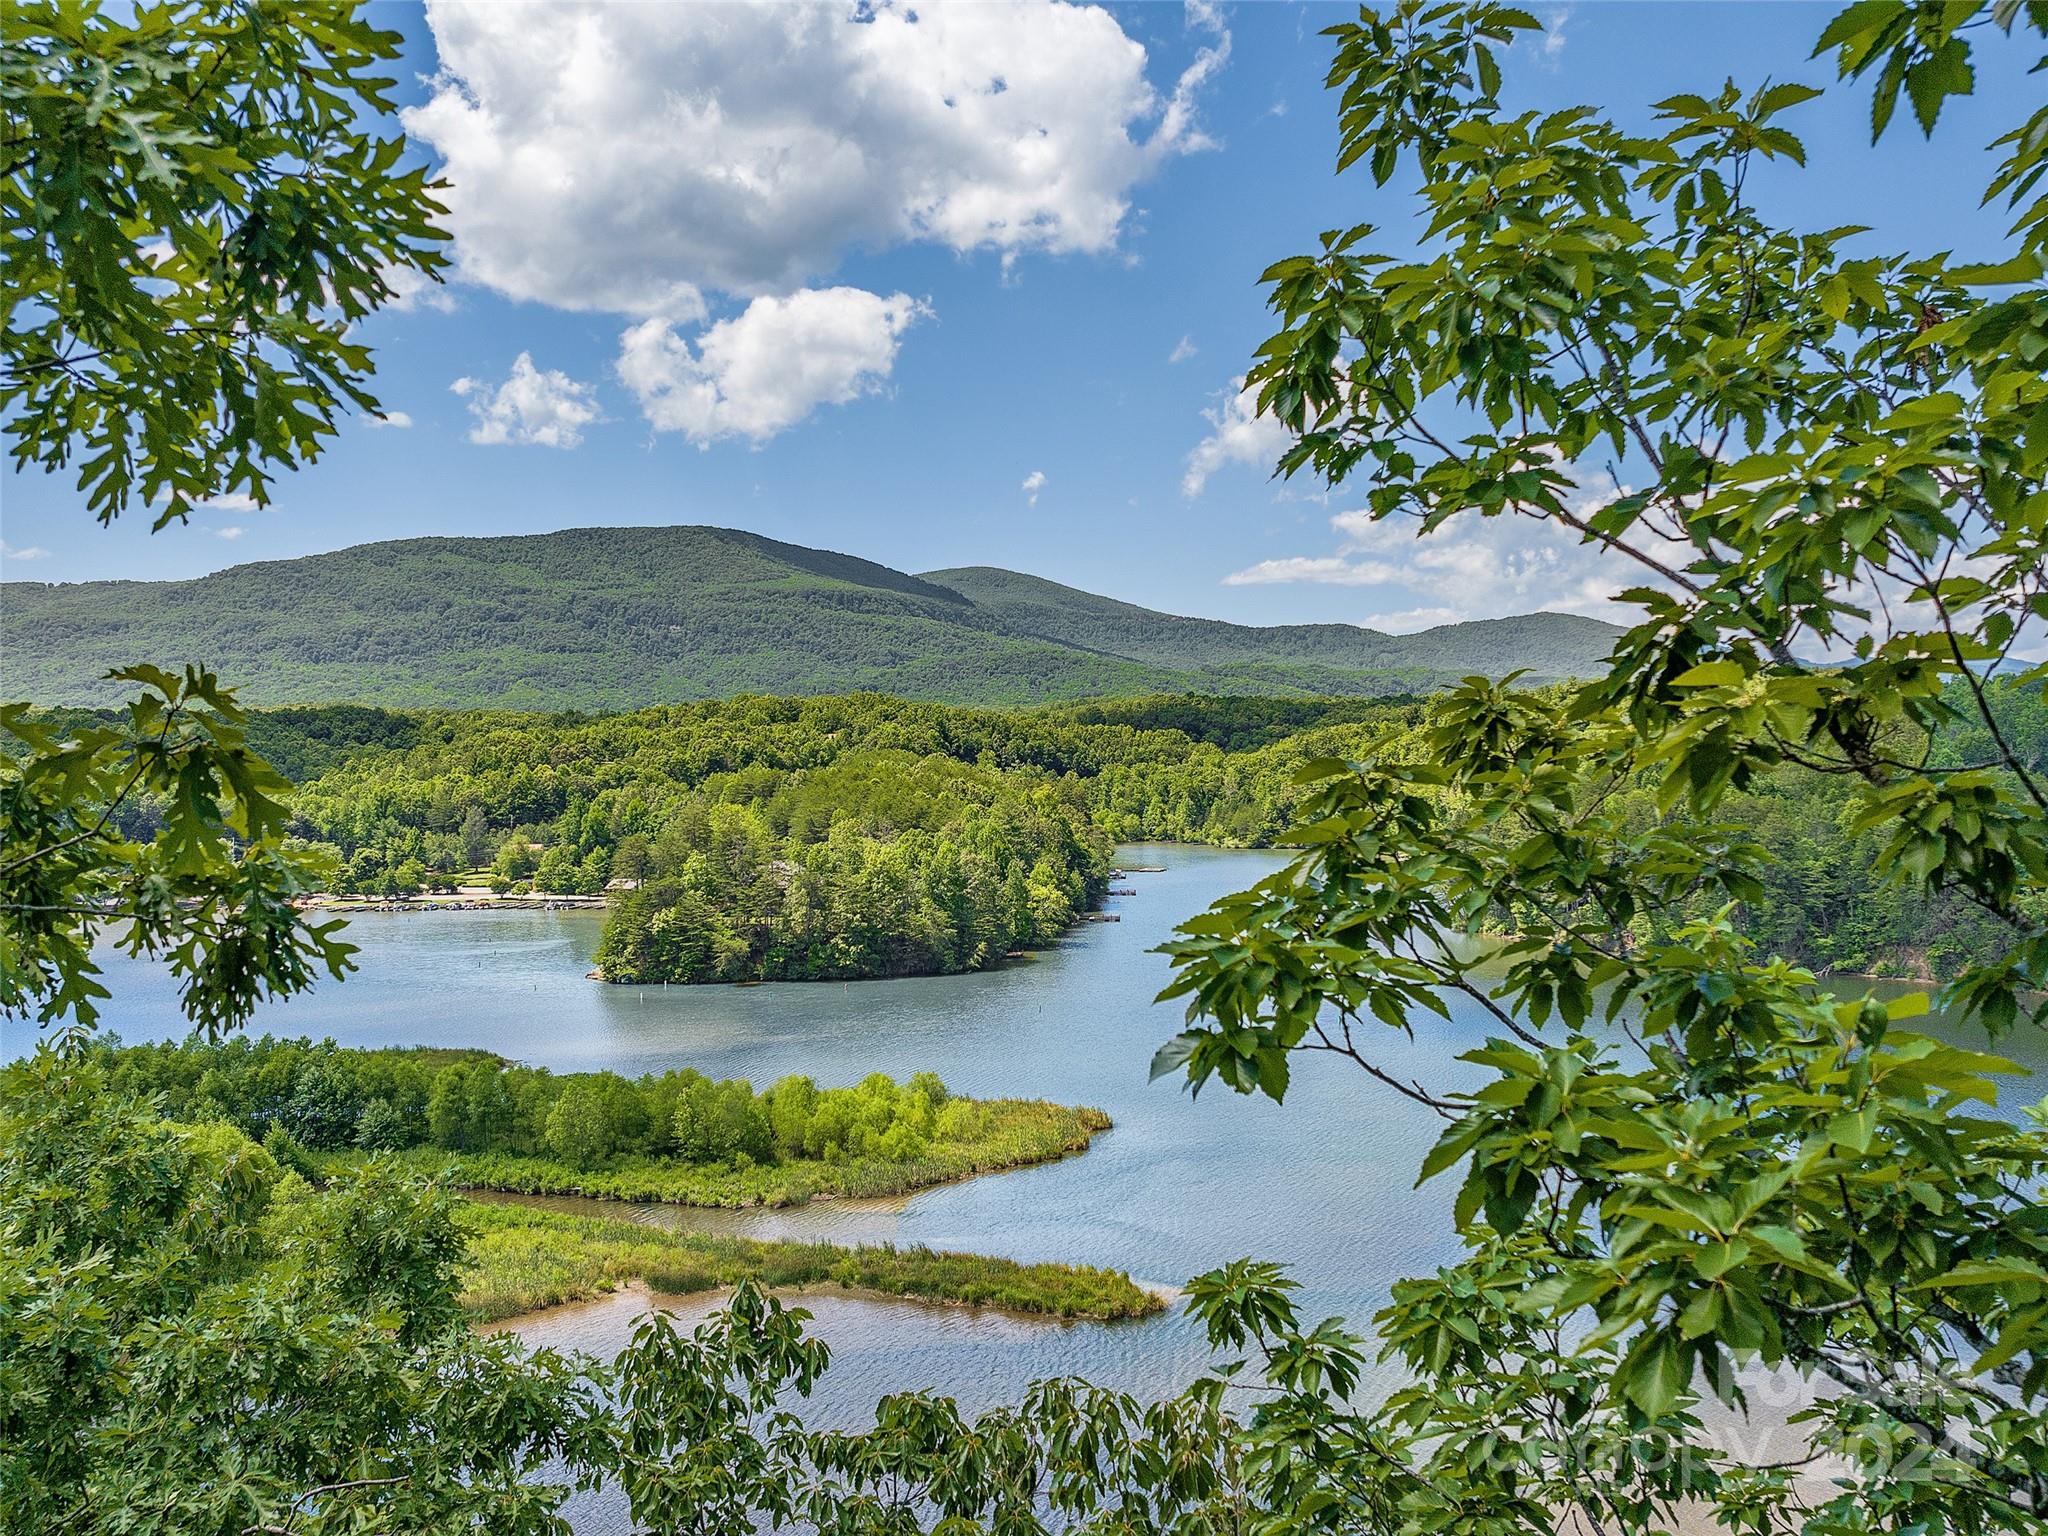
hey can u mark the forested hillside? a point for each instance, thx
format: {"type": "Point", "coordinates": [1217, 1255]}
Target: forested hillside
{"type": "Point", "coordinates": [830, 837]}
{"type": "Point", "coordinates": [619, 618]}
{"type": "Point", "coordinates": [571, 802]}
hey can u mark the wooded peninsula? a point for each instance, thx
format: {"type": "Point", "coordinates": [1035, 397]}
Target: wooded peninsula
{"type": "Point", "coordinates": [480, 1122]}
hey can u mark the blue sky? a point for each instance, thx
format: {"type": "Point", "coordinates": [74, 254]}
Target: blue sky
{"type": "Point", "coordinates": [762, 282]}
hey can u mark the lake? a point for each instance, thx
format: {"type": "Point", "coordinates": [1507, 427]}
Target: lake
{"type": "Point", "coordinates": [1324, 1183]}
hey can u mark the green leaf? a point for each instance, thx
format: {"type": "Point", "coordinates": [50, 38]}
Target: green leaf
{"type": "Point", "coordinates": [1171, 1058]}
{"type": "Point", "coordinates": [1711, 674]}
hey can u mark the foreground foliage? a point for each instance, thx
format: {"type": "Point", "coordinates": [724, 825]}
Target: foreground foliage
{"type": "Point", "coordinates": [194, 219]}
{"type": "Point", "coordinates": [205, 877]}
{"type": "Point", "coordinates": [145, 1266]}
{"type": "Point", "coordinates": [146, 1262]}
{"type": "Point", "coordinates": [1683, 1163]}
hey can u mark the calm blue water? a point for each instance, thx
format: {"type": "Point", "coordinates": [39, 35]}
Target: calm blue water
{"type": "Point", "coordinates": [1323, 1183]}
{"type": "Point", "coordinates": [1181, 1185]}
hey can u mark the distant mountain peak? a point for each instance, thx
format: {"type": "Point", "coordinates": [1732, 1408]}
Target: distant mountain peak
{"type": "Point", "coordinates": [616, 618]}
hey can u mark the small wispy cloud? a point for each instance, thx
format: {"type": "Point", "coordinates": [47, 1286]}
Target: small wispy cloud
{"type": "Point", "coordinates": [1182, 350]}
{"type": "Point", "coordinates": [1326, 570]}
{"type": "Point", "coordinates": [1179, 129]}
{"type": "Point", "coordinates": [388, 419]}
{"type": "Point", "coordinates": [1033, 484]}
{"type": "Point", "coordinates": [32, 552]}
{"type": "Point", "coordinates": [1238, 435]}
{"type": "Point", "coordinates": [232, 531]}
{"type": "Point", "coordinates": [234, 501]}
{"type": "Point", "coordinates": [542, 407]}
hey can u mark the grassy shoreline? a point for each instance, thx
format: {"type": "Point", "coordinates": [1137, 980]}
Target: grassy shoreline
{"type": "Point", "coordinates": [523, 1260]}
{"type": "Point", "coordinates": [1018, 1133]}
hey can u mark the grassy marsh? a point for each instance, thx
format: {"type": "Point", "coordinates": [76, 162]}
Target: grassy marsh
{"type": "Point", "coordinates": [522, 1259]}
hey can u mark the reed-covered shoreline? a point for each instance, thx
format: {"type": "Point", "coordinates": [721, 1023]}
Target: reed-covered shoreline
{"type": "Point", "coordinates": [523, 1260]}
{"type": "Point", "coordinates": [1010, 1133]}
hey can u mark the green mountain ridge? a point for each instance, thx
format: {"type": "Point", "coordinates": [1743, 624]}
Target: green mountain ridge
{"type": "Point", "coordinates": [1554, 643]}
{"type": "Point", "coordinates": [618, 618]}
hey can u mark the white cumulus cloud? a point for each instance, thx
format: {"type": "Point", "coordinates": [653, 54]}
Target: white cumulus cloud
{"type": "Point", "coordinates": [1238, 434]}
{"type": "Point", "coordinates": [1033, 484]}
{"type": "Point", "coordinates": [768, 367]}
{"type": "Point", "coordinates": [631, 158]}
{"type": "Point", "coordinates": [388, 419]}
{"type": "Point", "coordinates": [546, 408]}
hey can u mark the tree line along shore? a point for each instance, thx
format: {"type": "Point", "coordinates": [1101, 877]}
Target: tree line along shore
{"type": "Point", "coordinates": [861, 836]}
{"type": "Point", "coordinates": [477, 1120]}
{"type": "Point", "coordinates": [469, 1120]}
{"type": "Point", "coordinates": [762, 838]}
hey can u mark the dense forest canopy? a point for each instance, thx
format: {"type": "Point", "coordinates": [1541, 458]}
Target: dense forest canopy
{"type": "Point", "coordinates": [836, 837]}
{"type": "Point", "coordinates": [879, 864]}
{"type": "Point", "coordinates": [406, 786]}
